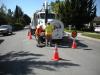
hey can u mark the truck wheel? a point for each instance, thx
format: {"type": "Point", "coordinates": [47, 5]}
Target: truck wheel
{"type": "Point", "coordinates": [11, 33]}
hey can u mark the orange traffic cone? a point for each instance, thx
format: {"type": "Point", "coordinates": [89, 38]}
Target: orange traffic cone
{"type": "Point", "coordinates": [74, 44]}
{"type": "Point", "coordinates": [56, 55]}
{"type": "Point", "coordinates": [30, 36]}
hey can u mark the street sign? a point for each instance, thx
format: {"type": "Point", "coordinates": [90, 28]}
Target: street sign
{"type": "Point", "coordinates": [74, 34]}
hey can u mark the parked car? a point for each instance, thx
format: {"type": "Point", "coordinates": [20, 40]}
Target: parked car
{"type": "Point", "coordinates": [5, 29]}
{"type": "Point", "coordinates": [97, 29]}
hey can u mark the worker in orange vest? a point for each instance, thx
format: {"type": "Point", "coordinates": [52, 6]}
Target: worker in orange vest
{"type": "Point", "coordinates": [39, 33]}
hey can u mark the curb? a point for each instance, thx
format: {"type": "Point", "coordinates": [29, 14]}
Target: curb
{"type": "Point", "coordinates": [90, 38]}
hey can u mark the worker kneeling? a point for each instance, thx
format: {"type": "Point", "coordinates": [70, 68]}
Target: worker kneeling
{"type": "Point", "coordinates": [40, 36]}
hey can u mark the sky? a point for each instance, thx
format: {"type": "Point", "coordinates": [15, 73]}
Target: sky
{"type": "Point", "coordinates": [30, 6]}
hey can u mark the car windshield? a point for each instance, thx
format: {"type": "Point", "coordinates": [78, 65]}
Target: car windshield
{"type": "Point", "coordinates": [4, 26]}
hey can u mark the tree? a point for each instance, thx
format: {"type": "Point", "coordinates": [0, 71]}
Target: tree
{"type": "Point", "coordinates": [18, 18]}
{"type": "Point", "coordinates": [26, 19]}
{"type": "Point", "coordinates": [10, 13]}
{"type": "Point", "coordinates": [54, 7]}
{"type": "Point", "coordinates": [18, 14]}
{"type": "Point", "coordinates": [76, 12]}
{"type": "Point", "coordinates": [3, 9]}
{"type": "Point", "coordinates": [83, 12]}
{"type": "Point", "coordinates": [66, 13]}
{"type": "Point", "coordinates": [9, 17]}
{"type": "Point", "coordinates": [3, 19]}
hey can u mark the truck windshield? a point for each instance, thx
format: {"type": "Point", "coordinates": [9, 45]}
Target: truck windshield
{"type": "Point", "coordinates": [50, 16]}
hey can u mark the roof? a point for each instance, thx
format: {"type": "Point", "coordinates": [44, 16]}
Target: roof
{"type": "Point", "coordinates": [97, 18]}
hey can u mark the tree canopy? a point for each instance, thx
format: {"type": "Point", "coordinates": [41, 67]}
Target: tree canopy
{"type": "Point", "coordinates": [16, 18]}
{"type": "Point", "coordinates": [75, 12]}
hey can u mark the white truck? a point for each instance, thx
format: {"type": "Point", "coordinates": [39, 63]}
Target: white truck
{"type": "Point", "coordinates": [39, 19]}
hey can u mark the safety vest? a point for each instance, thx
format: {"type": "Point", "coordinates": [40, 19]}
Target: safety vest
{"type": "Point", "coordinates": [38, 31]}
{"type": "Point", "coordinates": [49, 29]}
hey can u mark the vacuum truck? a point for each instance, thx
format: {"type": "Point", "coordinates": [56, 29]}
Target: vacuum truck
{"type": "Point", "coordinates": [41, 17]}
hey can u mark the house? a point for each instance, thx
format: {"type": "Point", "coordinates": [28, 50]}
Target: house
{"type": "Point", "coordinates": [96, 24]}
{"type": "Point", "coordinates": [96, 21]}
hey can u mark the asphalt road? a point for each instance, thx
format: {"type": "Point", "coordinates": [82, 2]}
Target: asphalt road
{"type": "Point", "coordinates": [20, 56]}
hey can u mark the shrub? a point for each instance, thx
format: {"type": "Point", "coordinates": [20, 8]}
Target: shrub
{"type": "Point", "coordinates": [17, 26]}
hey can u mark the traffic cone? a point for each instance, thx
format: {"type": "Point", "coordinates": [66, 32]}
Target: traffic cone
{"type": "Point", "coordinates": [74, 44]}
{"type": "Point", "coordinates": [30, 36]}
{"type": "Point", "coordinates": [56, 54]}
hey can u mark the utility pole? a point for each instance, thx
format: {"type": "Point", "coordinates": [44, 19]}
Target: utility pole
{"type": "Point", "coordinates": [46, 12]}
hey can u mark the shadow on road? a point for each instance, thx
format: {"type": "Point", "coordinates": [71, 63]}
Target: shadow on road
{"type": "Point", "coordinates": [24, 63]}
{"type": "Point", "coordinates": [1, 41]}
{"type": "Point", "coordinates": [67, 43]}
{"type": "Point", "coordinates": [80, 44]}
{"type": "Point", "coordinates": [87, 49]}
{"type": "Point", "coordinates": [8, 34]}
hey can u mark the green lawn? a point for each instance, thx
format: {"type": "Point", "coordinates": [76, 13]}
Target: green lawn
{"type": "Point", "coordinates": [90, 34]}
